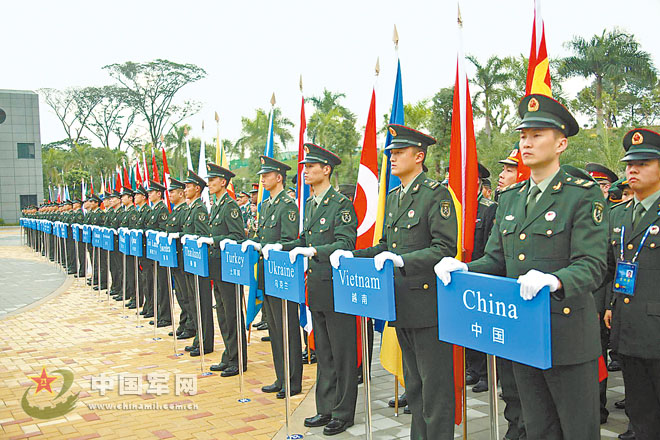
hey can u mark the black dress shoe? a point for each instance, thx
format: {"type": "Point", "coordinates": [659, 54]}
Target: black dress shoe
{"type": "Point", "coordinates": [190, 348]}
{"type": "Point", "coordinates": [149, 315]}
{"type": "Point", "coordinates": [219, 367]}
{"type": "Point", "coordinates": [317, 420]}
{"type": "Point", "coordinates": [132, 306]}
{"type": "Point", "coordinates": [257, 324]}
{"type": "Point", "coordinates": [263, 326]}
{"type": "Point", "coordinates": [620, 404]}
{"type": "Point", "coordinates": [265, 339]}
{"type": "Point", "coordinates": [282, 393]}
{"type": "Point", "coordinates": [336, 426]}
{"type": "Point", "coordinates": [603, 418]}
{"type": "Point", "coordinates": [186, 335]}
{"type": "Point", "coordinates": [143, 312]}
{"type": "Point", "coordinates": [628, 435]}
{"type": "Point", "coordinates": [272, 388]}
{"type": "Point", "coordinates": [164, 324]}
{"type": "Point", "coordinates": [614, 366]}
{"type": "Point", "coordinates": [195, 352]}
{"type": "Point", "coordinates": [480, 387]}
{"type": "Point", "coordinates": [151, 322]}
{"type": "Point", "coordinates": [304, 358]}
{"type": "Point", "coordinates": [231, 370]}
{"type": "Point", "coordinates": [470, 379]}
{"type": "Point", "coordinates": [403, 401]}
{"type": "Point", "coordinates": [406, 410]}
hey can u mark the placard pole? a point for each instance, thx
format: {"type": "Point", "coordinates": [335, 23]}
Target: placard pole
{"type": "Point", "coordinates": [169, 287]}
{"type": "Point", "coordinates": [239, 339]}
{"type": "Point", "coordinates": [492, 397]}
{"type": "Point", "coordinates": [155, 338]}
{"type": "Point", "coordinates": [107, 274]}
{"type": "Point", "coordinates": [76, 243]}
{"type": "Point", "coordinates": [396, 396]}
{"type": "Point", "coordinates": [366, 379]}
{"type": "Point", "coordinates": [123, 286]}
{"type": "Point", "coordinates": [200, 332]}
{"type": "Point", "coordinates": [137, 293]}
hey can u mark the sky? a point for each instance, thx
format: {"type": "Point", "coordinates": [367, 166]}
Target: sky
{"type": "Point", "coordinates": [251, 49]}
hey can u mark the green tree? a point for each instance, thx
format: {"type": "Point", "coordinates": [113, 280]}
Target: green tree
{"type": "Point", "coordinates": [439, 127]}
{"type": "Point", "coordinates": [254, 135]}
{"type": "Point", "coordinates": [490, 100]}
{"type": "Point", "coordinates": [73, 107]}
{"type": "Point", "coordinates": [112, 117]}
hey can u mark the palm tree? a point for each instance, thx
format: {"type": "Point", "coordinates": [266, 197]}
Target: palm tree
{"type": "Point", "coordinates": [611, 56]}
{"type": "Point", "coordinates": [492, 80]}
{"type": "Point", "coordinates": [254, 134]}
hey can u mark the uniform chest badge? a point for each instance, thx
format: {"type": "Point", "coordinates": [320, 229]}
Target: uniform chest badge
{"type": "Point", "coordinates": [445, 209]}
{"type": "Point", "coordinates": [411, 213]}
{"type": "Point", "coordinates": [346, 216]}
{"type": "Point", "coordinates": [616, 230]}
{"type": "Point", "coordinates": [292, 216]}
{"type": "Point", "coordinates": [322, 221]}
{"type": "Point", "coordinates": [550, 216]}
{"type": "Point", "coordinates": [509, 217]}
{"type": "Point", "coordinates": [235, 213]}
{"type": "Point", "coordinates": [654, 230]}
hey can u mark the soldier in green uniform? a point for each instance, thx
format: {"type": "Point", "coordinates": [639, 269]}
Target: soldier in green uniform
{"type": "Point", "coordinates": [226, 225]}
{"type": "Point", "coordinates": [144, 264]}
{"type": "Point", "coordinates": [196, 225]}
{"type": "Point", "coordinates": [420, 228]}
{"type": "Point", "coordinates": [97, 218]}
{"type": "Point", "coordinates": [157, 221]}
{"type": "Point", "coordinates": [278, 222]}
{"type": "Point", "coordinates": [330, 223]}
{"type": "Point", "coordinates": [113, 215]}
{"type": "Point", "coordinates": [551, 232]}
{"type": "Point", "coordinates": [174, 228]}
{"type": "Point", "coordinates": [634, 315]}
{"type": "Point", "coordinates": [128, 220]}
{"type": "Point", "coordinates": [70, 251]}
{"type": "Point", "coordinates": [78, 217]}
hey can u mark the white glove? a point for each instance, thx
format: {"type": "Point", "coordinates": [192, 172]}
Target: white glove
{"type": "Point", "coordinates": [202, 240]}
{"type": "Point", "coordinates": [448, 265]}
{"type": "Point", "coordinates": [336, 256]}
{"type": "Point", "coordinates": [172, 236]}
{"type": "Point", "coordinates": [114, 231]}
{"type": "Point", "coordinates": [224, 243]}
{"type": "Point", "coordinates": [186, 237]}
{"type": "Point", "coordinates": [533, 281]}
{"type": "Point", "coordinates": [161, 234]}
{"type": "Point", "coordinates": [270, 247]}
{"type": "Point", "coordinates": [308, 252]}
{"type": "Point", "coordinates": [247, 243]}
{"type": "Point", "coordinates": [380, 259]}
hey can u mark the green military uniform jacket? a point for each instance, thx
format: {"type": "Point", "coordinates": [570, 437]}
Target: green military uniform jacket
{"type": "Point", "coordinates": [78, 217]}
{"type": "Point", "coordinates": [144, 212]}
{"type": "Point", "coordinates": [332, 226]}
{"type": "Point", "coordinates": [485, 221]}
{"type": "Point", "coordinates": [156, 217]}
{"type": "Point", "coordinates": [174, 223]}
{"type": "Point", "coordinates": [225, 221]}
{"type": "Point", "coordinates": [636, 319]}
{"type": "Point", "coordinates": [564, 235]}
{"type": "Point", "coordinates": [197, 219]}
{"type": "Point", "coordinates": [422, 230]}
{"type": "Point", "coordinates": [278, 221]}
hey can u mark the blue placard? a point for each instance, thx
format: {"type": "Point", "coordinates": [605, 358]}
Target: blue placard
{"type": "Point", "coordinates": [361, 290]}
{"type": "Point", "coordinates": [65, 230]}
{"type": "Point", "coordinates": [486, 313]}
{"type": "Point", "coordinates": [124, 242]}
{"type": "Point", "coordinates": [108, 239]}
{"type": "Point", "coordinates": [96, 236]}
{"type": "Point", "coordinates": [239, 267]}
{"type": "Point", "coordinates": [136, 243]}
{"type": "Point", "coordinates": [75, 232]}
{"type": "Point", "coordinates": [283, 279]}
{"type": "Point", "coordinates": [196, 259]}
{"type": "Point", "coordinates": [152, 246]}
{"type": "Point", "coordinates": [87, 234]}
{"type": "Point", "coordinates": [48, 226]}
{"type": "Point", "coordinates": [167, 252]}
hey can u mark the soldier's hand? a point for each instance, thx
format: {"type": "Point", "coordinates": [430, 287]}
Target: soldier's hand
{"type": "Point", "coordinates": [308, 252]}
{"type": "Point", "coordinates": [533, 281]}
{"type": "Point", "coordinates": [172, 236]}
{"type": "Point", "coordinates": [446, 266]}
{"type": "Point", "coordinates": [186, 237]}
{"type": "Point", "coordinates": [224, 242]}
{"type": "Point", "coordinates": [336, 255]}
{"type": "Point", "coordinates": [270, 247]}
{"type": "Point", "coordinates": [380, 259]}
{"type": "Point", "coordinates": [204, 240]}
{"type": "Point", "coordinates": [247, 243]}
{"type": "Point", "coordinates": [607, 319]}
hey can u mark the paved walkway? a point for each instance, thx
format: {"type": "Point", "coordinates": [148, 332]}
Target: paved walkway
{"type": "Point", "coordinates": [76, 329]}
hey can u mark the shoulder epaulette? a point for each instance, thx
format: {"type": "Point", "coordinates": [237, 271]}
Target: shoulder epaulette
{"type": "Point", "coordinates": [616, 205]}
{"type": "Point", "coordinates": [396, 188]}
{"type": "Point", "coordinates": [431, 183]}
{"type": "Point", "coordinates": [516, 185]}
{"type": "Point", "coordinates": [486, 202]}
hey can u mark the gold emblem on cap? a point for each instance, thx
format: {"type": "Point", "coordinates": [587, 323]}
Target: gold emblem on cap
{"type": "Point", "coordinates": [263, 160]}
{"type": "Point", "coordinates": [392, 131]}
{"type": "Point", "coordinates": [533, 105]}
{"type": "Point", "coordinates": [637, 138]}
{"type": "Point", "coordinates": [307, 149]}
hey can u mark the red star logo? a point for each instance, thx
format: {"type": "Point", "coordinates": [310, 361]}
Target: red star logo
{"type": "Point", "coordinates": [43, 382]}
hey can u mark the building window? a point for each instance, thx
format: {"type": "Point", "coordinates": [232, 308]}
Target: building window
{"type": "Point", "coordinates": [27, 200]}
{"type": "Point", "coordinates": [25, 150]}
{"type": "Point", "coordinates": [3, 116]}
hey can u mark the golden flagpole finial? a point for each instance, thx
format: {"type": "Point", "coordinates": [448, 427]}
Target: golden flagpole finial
{"type": "Point", "coordinates": [272, 100]}
{"type": "Point", "coordinates": [202, 125]}
{"type": "Point", "coordinates": [377, 66]}
{"type": "Point", "coordinates": [395, 38]}
{"type": "Point", "coordinates": [217, 118]}
{"type": "Point", "coordinates": [300, 84]}
{"type": "Point", "coordinates": [460, 19]}
{"type": "Point", "coordinates": [162, 138]}
{"type": "Point", "coordinates": [185, 131]}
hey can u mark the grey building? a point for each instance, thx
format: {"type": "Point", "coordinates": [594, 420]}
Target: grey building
{"type": "Point", "coordinates": [21, 175]}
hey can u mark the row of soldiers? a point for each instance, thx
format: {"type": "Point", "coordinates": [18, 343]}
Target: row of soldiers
{"type": "Point", "coordinates": [552, 230]}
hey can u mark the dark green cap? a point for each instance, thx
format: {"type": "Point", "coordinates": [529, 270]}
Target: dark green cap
{"type": "Point", "coordinates": [155, 186]}
{"type": "Point", "coordinates": [95, 198]}
{"type": "Point", "coordinates": [641, 144]}
{"type": "Point", "coordinates": [195, 179]}
{"type": "Point", "coordinates": [176, 184]}
{"type": "Point", "coordinates": [112, 193]}
{"type": "Point", "coordinates": [76, 200]}
{"type": "Point", "coordinates": [486, 182]}
{"type": "Point", "coordinates": [316, 154]}
{"type": "Point", "coordinates": [600, 172]}
{"type": "Point", "coordinates": [218, 171]}
{"type": "Point", "coordinates": [268, 164]}
{"type": "Point", "coordinates": [540, 111]}
{"type": "Point", "coordinates": [512, 159]}
{"type": "Point", "coordinates": [403, 137]}
{"type": "Point", "coordinates": [126, 191]}
{"type": "Point", "coordinates": [141, 190]}
{"type": "Point", "coordinates": [483, 172]}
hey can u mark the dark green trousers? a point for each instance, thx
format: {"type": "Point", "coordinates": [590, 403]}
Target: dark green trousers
{"type": "Point", "coordinates": [513, 407]}
{"type": "Point", "coordinates": [186, 319]}
{"type": "Point", "coordinates": [560, 403]}
{"type": "Point", "coordinates": [428, 370]}
{"type": "Point", "coordinates": [642, 380]}
{"type": "Point", "coordinates": [275, 331]}
{"type": "Point", "coordinates": [225, 309]}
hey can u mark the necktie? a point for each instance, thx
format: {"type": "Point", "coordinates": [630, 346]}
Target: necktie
{"type": "Point", "coordinates": [401, 196]}
{"type": "Point", "coordinates": [638, 213]}
{"type": "Point", "coordinates": [531, 201]}
{"type": "Point", "coordinates": [312, 208]}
